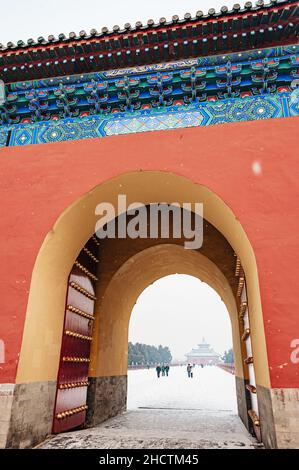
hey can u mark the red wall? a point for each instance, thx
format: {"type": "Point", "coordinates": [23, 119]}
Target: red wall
{"type": "Point", "coordinates": [38, 182]}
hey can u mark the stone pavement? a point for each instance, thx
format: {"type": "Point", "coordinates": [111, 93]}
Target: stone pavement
{"type": "Point", "coordinates": [161, 429]}
{"type": "Point", "coordinates": [169, 413]}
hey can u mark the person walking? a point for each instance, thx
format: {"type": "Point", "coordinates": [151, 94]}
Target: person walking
{"type": "Point", "coordinates": [167, 369]}
{"type": "Point", "coordinates": [158, 370]}
{"type": "Point", "coordinates": [163, 370]}
{"type": "Point", "coordinates": [189, 371]}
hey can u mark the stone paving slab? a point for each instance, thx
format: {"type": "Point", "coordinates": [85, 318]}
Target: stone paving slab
{"type": "Point", "coordinates": [170, 413]}
{"type": "Point", "coordinates": [161, 429]}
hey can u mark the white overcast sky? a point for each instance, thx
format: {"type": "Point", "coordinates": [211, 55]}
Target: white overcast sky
{"type": "Point", "coordinates": [178, 311]}
{"type": "Point", "coordinates": [23, 19]}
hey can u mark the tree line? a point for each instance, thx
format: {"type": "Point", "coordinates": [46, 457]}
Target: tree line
{"type": "Point", "coordinates": [228, 357]}
{"type": "Point", "coordinates": [144, 354]}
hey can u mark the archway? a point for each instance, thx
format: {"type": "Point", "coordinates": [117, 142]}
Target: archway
{"type": "Point", "coordinates": [189, 320]}
{"type": "Point", "coordinates": [114, 313]}
{"type": "Point", "coordinates": [59, 252]}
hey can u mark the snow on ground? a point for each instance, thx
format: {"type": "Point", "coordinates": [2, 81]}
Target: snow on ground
{"type": "Point", "coordinates": [172, 412]}
{"type": "Point", "coordinates": [210, 389]}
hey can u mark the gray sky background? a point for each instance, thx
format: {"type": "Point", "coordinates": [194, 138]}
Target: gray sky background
{"type": "Point", "coordinates": [23, 19]}
{"type": "Point", "coordinates": [177, 311]}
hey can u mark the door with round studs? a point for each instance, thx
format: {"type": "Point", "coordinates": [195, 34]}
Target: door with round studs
{"type": "Point", "coordinates": [72, 381]}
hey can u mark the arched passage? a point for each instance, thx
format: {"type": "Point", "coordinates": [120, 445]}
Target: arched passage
{"type": "Point", "coordinates": [186, 317]}
{"type": "Point", "coordinates": [132, 278]}
{"type": "Point", "coordinates": [39, 359]}
{"type": "Point", "coordinates": [129, 281]}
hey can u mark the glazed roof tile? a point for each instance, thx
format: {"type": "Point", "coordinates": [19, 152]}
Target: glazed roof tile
{"type": "Point", "coordinates": [139, 26]}
{"type": "Point", "coordinates": [230, 30]}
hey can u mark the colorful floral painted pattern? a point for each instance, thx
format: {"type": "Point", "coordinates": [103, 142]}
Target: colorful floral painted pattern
{"type": "Point", "coordinates": [200, 114]}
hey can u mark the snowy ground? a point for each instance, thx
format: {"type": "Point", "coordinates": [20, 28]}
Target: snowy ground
{"type": "Point", "coordinates": [172, 412]}
{"type": "Point", "coordinates": [210, 389]}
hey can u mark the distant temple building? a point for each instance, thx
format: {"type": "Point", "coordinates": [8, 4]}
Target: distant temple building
{"type": "Point", "coordinates": [203, 354]}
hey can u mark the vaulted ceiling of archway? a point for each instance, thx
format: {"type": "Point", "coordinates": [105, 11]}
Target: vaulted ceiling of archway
{"type": "Point", "coordinates": [114, 252]}
{"type": "Point", "coordinates": [127, 266]}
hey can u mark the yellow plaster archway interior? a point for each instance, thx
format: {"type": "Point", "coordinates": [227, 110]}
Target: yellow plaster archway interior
{"type": "Point", "coordinates": [109, 352]}
{"type": "Point", "coordinates": [40, 352]}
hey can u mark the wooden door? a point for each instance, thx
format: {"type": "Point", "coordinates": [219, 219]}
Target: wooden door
{"type": "Point", "coordinates": [71, 395]}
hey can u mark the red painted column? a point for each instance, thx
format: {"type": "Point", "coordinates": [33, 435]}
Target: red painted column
{"type": "Point", "coordinates": [37, 183]}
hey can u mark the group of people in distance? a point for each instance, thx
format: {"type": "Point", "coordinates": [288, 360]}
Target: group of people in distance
{"type": "Point", "coordinates": [162, 368]}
